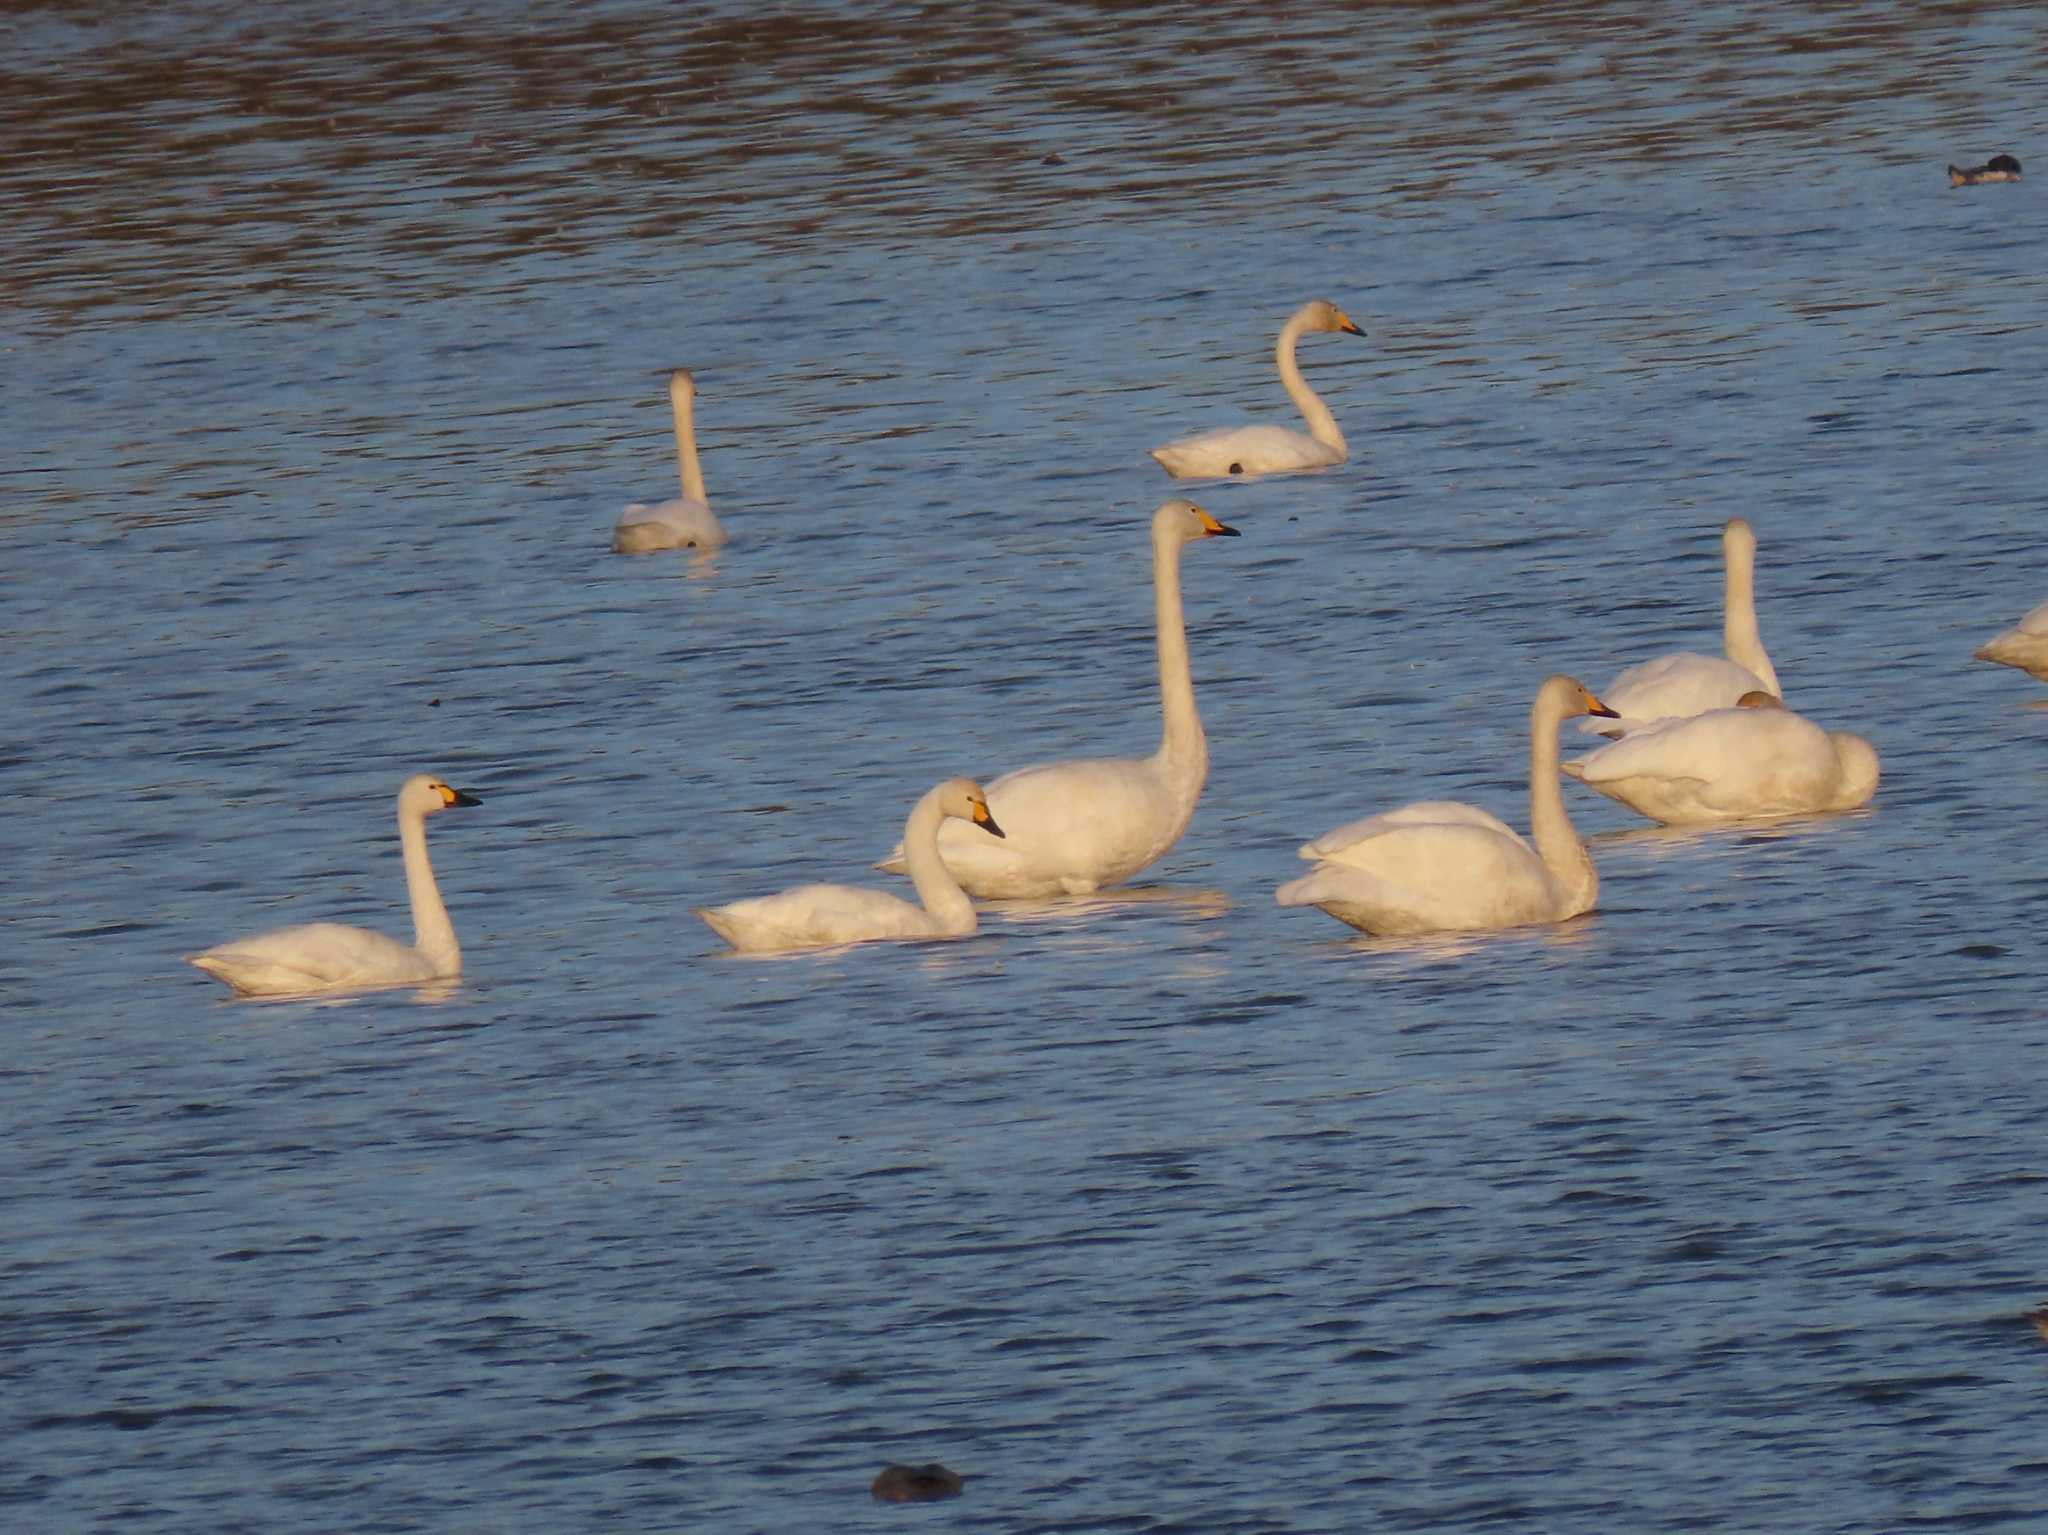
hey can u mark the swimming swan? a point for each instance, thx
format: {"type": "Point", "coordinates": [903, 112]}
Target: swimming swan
{"type": "Point", "coordinates": [1440, 866]}
{"type": "Point", "coordinates": [327, 956]}
{"type": "Point", "coordinates": [2025, 645]}
{"type": "Point", "coordinates": [815, 916]}
{"type": "Point", "coordinates": [686, 522]}
{"type": "Point", "coordinates": [1683, 683]}
{"type": "Point", "coordinates": [1077, 825]}
{"type": "Point", "coordinates": [1756, 761]}
{"type": "Point", "coordinates": [1250, 450]}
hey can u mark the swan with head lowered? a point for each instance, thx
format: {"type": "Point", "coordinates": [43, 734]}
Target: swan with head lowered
{"type": "Point", "coordinates": [1439, 866]}
{"type": "Point", "coordinates": [1757, 761]}
{"type": "Point", "coordinates": [1683, 683]}
{"type": "Point", "coordinates": [822, 916]}
{"type": "Point", "coordinates": [2025, 645]}
{"type": "Point", "coordinates": [1078, 825]}
{"type": "Point", "coordinates": [687, 521]}
{"type": "Point", "coordinates": [328, 956]}
{"type": "Point", "coordinates": [1253, 450]}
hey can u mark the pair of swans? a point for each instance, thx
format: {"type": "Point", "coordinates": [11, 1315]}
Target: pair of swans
{"type": "Point", "coordinates": [1078, 825]}
{"type": "Point", "coordinates": [1253, 450]}
{"type": "Point", "coordinates": [2025, 645]}
{"type": "Point", "coordinates": [821, 916]}
{"type": "Point", "coordinates": [687, 521]}
{"type": "Point", "coordinates": [329, 956]}
{"type": "Point", "coordinates": [1440, 866]}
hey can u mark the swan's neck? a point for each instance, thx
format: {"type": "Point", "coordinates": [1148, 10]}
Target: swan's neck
{"type": "Point", "coordinates": [432, 933]}
{"type": "Point", "coordinates": [1550, 824]}
{"type": "Point", "coordinates": [1321, 424]}
{"type": "Point", "coordinates": [686, 448]}
{"type": "Point", "coordinates": [1183, 750]}
{"type": "Point", "coordinates": [952, 913]}
{"type": "Point", "coordinates": [1740, 641]}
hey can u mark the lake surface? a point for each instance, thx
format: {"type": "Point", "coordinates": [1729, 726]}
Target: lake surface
{"type": "Point", "coordinates": [330, 353]}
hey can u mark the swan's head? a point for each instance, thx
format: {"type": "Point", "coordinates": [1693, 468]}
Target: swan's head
{"type": "Point", "coordinates": [680, 385]}
{"type": "Point", "coordinates": [1757, 698]}
{"type": "Point", "coordinates": [964, 798]}
{"type": "Point", "coordinates": [424, 794]}
{"type": "Point", "coordinates": [1737, 537]}
{"type": "Point", "coordinates": [1856, 761]}
{"type": "Point", "coordinates": [1186, 521]}
{"type": "Point", "coordinates": [1569, 696]}
{"type": "Point", "coordinates": [1321, 314]}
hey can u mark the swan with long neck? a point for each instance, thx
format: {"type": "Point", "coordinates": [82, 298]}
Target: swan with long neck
{"type": "Point", "coordinates": [821, 916]}
{"type": "Point", "coordinates": [329, 956]}
{"type": "Point", "coordinates": [2025, 645]}
{"type": "Point", "coordinates": [1245, 451]}
{"type": "Point", "coordinates": [1756, 761]}
{"type": "Point", "coordinates": [1441, 866]}
{"type": "Point", "coordinates": [1684, 683]}
{"type": "Point", "coordinates": [687, 521]}
{"type": "Point", "coordinates": [1078, 825]}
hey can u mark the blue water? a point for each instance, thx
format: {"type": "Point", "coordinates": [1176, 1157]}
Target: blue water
{"type": "Point", "coordinates": [331, 356]}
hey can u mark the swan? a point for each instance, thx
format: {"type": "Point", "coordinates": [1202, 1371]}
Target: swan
{"type": "Point", "coordinates": [1077, 825]}
{"type": "Point", "coordinates": [816, 916]}
{"type": "Point", "coordinates": [328, 956]}
{"type": "Point", "coordinates": [1755, 761]}
{"type": "Point", "coordinates": [686, 522]}
{"type": "Point", "coordinates": [1250, 450]}
{"type": "Point", "coordinates": [1997, 168]}
{"type": "Point", "coordinates": [1682, 683]}
{"type": "Point", "coordinates": [1439, 866]}
{"type": "Point", "coordinates": [2025, 645]}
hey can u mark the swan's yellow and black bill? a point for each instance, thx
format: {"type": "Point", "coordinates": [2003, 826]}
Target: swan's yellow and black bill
{"type": "Point", "coordinates": [457, 796]}
{"type": "Point", "coordinates": [1211, 528]}
{"type": "Point", "coordinates": [986, 821]}
{"type": "Point", "coordinates": [1594, 706]}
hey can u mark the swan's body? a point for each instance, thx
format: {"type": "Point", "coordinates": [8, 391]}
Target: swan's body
{"type": "Point", "coordinates": [1253, 450]}
{"type": "Point", "coordinates": [686, 522]}
{"type": "Point", "coordinates": [2025, 645]}
{"type": "Point", "coordinates": [328, 956]}
{"type": "Point", "coordinates": [1682, 684]}
{"type": "Point", "coordinates": [1997, 168]}
{"type": "Point", "coordinates": [1078, 825]}
{"type": "Point", "coordinates": [817, 916]}
{"type": "Point", "coordinates": [1439, 866]}
{"type": "Point", "coordinates": [1758, 761]}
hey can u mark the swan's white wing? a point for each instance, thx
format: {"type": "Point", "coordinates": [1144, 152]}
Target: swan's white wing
{"type": "Point", "coordinates": [320, 956]}
{"type": "Point", "coordinates": [815, 916]}
{"type": "Point", "coordinates": [1430, 877]}
{"type": "Point", "coordinates": [1430, 812]}
{"type": "Point", "coordinates": [1244, 452]}
{"type": "Point", "coordinates": [1725, 765]}
{"type": "Point", "coordinates": [1676, 686]}
{"type": "Point", "coordinates": [678, 524]}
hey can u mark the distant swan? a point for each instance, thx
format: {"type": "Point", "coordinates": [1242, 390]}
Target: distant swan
{"type": "Point", "coordinates": [1683, 683]}
{"type": "Point", "coordinates": [1997, 168]}
{"type": "Point", "coordinates": [1440, 866]}
{"type": "Point", "coordinates": [327, 956]}
{"type": "Point", "coordinates": [687, 521]}
{"type": "Point", "coordinates": [1250, 450]}
{"type": "Point", "coordinates": [1077, 825]}
{"type": "Point", "coordinates": [2025, 645]}
{"type": "Point", "coordinates": [1756, 761]}
{"type": "Point", "coordinates": [816, 916]}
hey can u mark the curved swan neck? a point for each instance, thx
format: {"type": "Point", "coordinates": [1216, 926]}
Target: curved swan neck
{"type": "Point", "coordinates": [1321, 424]}
{"type": "Point", "coordinates": [1550, 824]}
{"type": "Point", "coordinates": [944, 901]}
{"type": "Point", "coordinates": [680, 401]}
{"type": "Point", "coordinates": [432, 933]}
{"type": "Point", "coordinates": [1740, 640]}
{"type": "Point", "coordinates": [1183, 749]}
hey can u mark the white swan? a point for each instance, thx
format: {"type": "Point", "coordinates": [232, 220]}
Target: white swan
{"type": "Point", "coordinates": [1077, 825]}
{"type": "Point", "coordinates": [1439, 866]}
{"type": "Point", "coordinates": [2025, 645]}
{"type": "Point", "coordinates": [1756, 761]}
{"type": "Point", "coordinates": [327, 956]}
{"type": "Point", "coordinates": [1684, 684]}
{"type": "Point", "coordinates": [686, 522]}
{"type": "Point", "coordinates": [1252, 450]}
{"type": "Point", "coordinates": [815, 916]}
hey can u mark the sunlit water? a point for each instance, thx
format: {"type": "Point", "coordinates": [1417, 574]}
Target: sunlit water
{"type": "Point", "coordinates": [331, 351]}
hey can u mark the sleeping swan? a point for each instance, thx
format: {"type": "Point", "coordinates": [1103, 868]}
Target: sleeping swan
{"type": "Point", "coordinates": [1252, 450]}
{"type": "Point", "coordinates": [2025, 645]}
{"type": "Point", "coordinates": [1682, 684]}
{"type": "Point", "coordinates": [326, 956]}
{"type": "Point", "coordinates": [687, 521]}
{"type": "Point", "coordinates": [1756, 761]}
{"type": "Point", "coordinates": [1439, 866]}
{"type": "Point", "coordinates": [816, 916]}
{"type": "Point", "coordinates": [1077, 825]}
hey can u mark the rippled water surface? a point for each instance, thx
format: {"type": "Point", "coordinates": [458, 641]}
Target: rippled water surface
{"type": "Point", "coordinates": [330, 352]}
